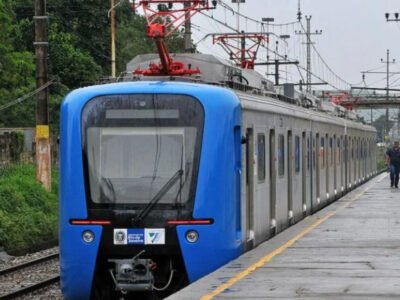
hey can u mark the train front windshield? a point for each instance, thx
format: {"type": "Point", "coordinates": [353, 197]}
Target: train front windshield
{"type": "Point", "coordinates": [139, 148]}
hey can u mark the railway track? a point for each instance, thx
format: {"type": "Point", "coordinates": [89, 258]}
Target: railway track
{"type": "Point", "coordinates": [29, 277]}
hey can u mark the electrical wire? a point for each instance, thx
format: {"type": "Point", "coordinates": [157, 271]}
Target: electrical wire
{"type": "Point", "coordinates": [226, 6]}
{"type": "Point", "coordinates": [26, 96]}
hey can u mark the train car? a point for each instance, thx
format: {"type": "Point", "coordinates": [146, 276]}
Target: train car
{"type": "Point", "coordinates": [162, 182]}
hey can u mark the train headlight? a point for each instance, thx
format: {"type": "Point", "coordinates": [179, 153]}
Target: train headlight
{"type": "Point", "coordinates": [192, 236]}
{"type": "Point", "coordinates": [88, 236]}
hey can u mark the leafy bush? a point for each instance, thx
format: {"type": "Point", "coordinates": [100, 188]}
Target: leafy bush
{"type": "Point", "coordinates": [28, 213]}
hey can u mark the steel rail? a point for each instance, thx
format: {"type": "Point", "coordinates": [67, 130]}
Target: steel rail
{"type": "Point", "coordinates": [31, 288]}
{"type": "Point", "coordinates": [28, 264]}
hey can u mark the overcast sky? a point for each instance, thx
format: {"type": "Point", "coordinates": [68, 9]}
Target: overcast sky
{"type": "Point", "coordinates": [354, 39]}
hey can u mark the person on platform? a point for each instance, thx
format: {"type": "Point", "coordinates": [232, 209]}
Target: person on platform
{"type": "Point", "coordinates": [393, 160]}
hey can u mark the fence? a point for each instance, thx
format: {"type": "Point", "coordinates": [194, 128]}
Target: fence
{"type": "Point", "coordinates": [19, 147]}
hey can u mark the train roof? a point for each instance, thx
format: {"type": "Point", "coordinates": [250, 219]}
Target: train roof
{"type": "Point", "coordinates": [217, 71]}
{"type": "Point", "coordinates": [214, 70]}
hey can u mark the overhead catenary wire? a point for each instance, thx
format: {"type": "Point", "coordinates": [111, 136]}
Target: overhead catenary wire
{"type": "Point", "coordinates": [26, 96]}
{"type": "Point", "coordinates": [319, 77]}
{"type": "Point", "coordinates": [228, 7]}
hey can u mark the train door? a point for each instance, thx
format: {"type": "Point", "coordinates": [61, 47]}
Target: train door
{"type": "Point", "coordinates": [362, 159]}
{"type": "Point", "coordinates": [297, 182]}
{"type": "Point", "coordinates": [272, 178]}
{"type": "Point", "coordinates": [313, 171]}
{"type": "Point", "coordinates": [261, 200]}
{"type": "Point", "coordinates": [354, 157]}
{"type": "Point", "coordinates": [335, 162]}
{"type": "Point", "coordinates": [357, 161]}
{"type": "Point", "coordinates": [345, 161]}
{"type": "Point", "coordinates": [290, 175]}
{"type": "Point", "coordinates": [317, 170]}
{"type": "Point", "coordinates": [249, 188]}
{"type": "Point", "coordinates": [327, 153]}
{"type": "Point", "coordinates": [282, 209]}
{"type": "Point", "coordinates": [305, 172]}
{"type": "Point", "coordinates": [351, 162]}
{"type": "Point", "coordinates": [342, 174]}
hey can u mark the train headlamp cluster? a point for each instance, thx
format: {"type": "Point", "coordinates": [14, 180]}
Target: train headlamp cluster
{"type": "Point", "coordinates": [192, 236]}
{"type": "Point", "coordinates": [88, 236]}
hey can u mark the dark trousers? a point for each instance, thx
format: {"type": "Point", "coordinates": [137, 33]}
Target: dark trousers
{"type": "Point", "coordinates": [394, 174]}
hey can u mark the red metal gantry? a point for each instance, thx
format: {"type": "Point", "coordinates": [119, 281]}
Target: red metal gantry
{"type": "Point", "coordinates": [235, 45]}
{"type": "Point", "coordinates": [342, 97]}
{"type": "Point", "coordinates": [162, 21]}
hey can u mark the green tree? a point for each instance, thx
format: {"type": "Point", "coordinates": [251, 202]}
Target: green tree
{"type": "Point", "coordinates": [71, 64]}
{"type": "Point", "coordinates": [16, 71]}
{"type": "Point", "coordinates": [79, 50]}
{"type": "Point", "coordinates": [380, 125]}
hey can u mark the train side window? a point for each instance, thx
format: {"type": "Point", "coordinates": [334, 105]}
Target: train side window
{"type": "Point", "coordinates": [331, 150]}
{"type": "Point", "coordinates": [261, 157]}
{"type": "Point", "coordinates": [281, 155]}
{"type": "Point", "coordinates": [297, 154]}
{"type": "Point", "coordinates": [322, 152]}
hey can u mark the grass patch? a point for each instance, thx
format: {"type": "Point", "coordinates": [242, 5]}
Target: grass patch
{"type": "Point", "coordinates": [28, 213]}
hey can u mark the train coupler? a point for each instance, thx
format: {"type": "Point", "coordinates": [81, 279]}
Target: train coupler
{"type": "Point", "coordinates": [132, 274]}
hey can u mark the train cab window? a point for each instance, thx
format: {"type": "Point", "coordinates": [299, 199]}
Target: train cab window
{"type": "Point", "coordinates": [322, 153]}
{"type": "Point", "coordinates": [281, 155]}
{"type": "Point", "coordinates": [297, 154]}
{"type": "Point", "coordinates": [138, 145]}
{"type": "Point", "coordinates": [261, 157]}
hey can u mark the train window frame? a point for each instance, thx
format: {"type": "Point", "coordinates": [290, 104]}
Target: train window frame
{"type": "Point", "coordinates": [94, 115]}
{"type": "Point", "coordinates": [281, 155]}
{"type": "Point", "coordinates": [297, 156]}
{"type": "Point", "coordinates": [261, 157]}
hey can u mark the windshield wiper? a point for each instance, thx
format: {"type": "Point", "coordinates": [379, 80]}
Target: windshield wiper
{"type": "Point", "coordinates": [158, 196]}
{"type": "Point", "coordinates": [110, 187]}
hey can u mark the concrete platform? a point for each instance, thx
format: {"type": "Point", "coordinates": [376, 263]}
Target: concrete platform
{"type": "Point", "coordinates": [349, 250]}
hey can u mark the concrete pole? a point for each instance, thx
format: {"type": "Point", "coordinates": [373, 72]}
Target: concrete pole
{"type": "Point", "coordinates": [113, 67]}
{"type": "Point", "coordinates": [43, 153]}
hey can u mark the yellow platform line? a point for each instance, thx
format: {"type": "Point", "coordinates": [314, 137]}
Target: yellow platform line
{"type": "Point", "coordinates": [260, 263]}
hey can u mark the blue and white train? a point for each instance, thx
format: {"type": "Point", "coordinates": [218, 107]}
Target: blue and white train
{"type": "Point", "coordinates": [163, 182]}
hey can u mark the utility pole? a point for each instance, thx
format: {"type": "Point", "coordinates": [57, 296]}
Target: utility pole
{"type": "Point", "coordinates": [299, 12]}
{"type": "Point", "coordinates": [43, 154]}
{"type": "Point", "coordinates": [396, 17]}
{"type": "Point", "coordinates": [308, 34]}
{"type": "Point", "coordinates": [387, 89]}
{"type": "Point", "coordinates": [238, 18]}
{"type": "Point", "coordinates": [387, 62]}
{"type": "Point", "coordinates": [277, 63]}
{"type": "Point", "coordinates": [267, 21]}
{"type": "Point", "coordinates": [188, 29]}
{"type": "Point", "coordinates": [113, 67]}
